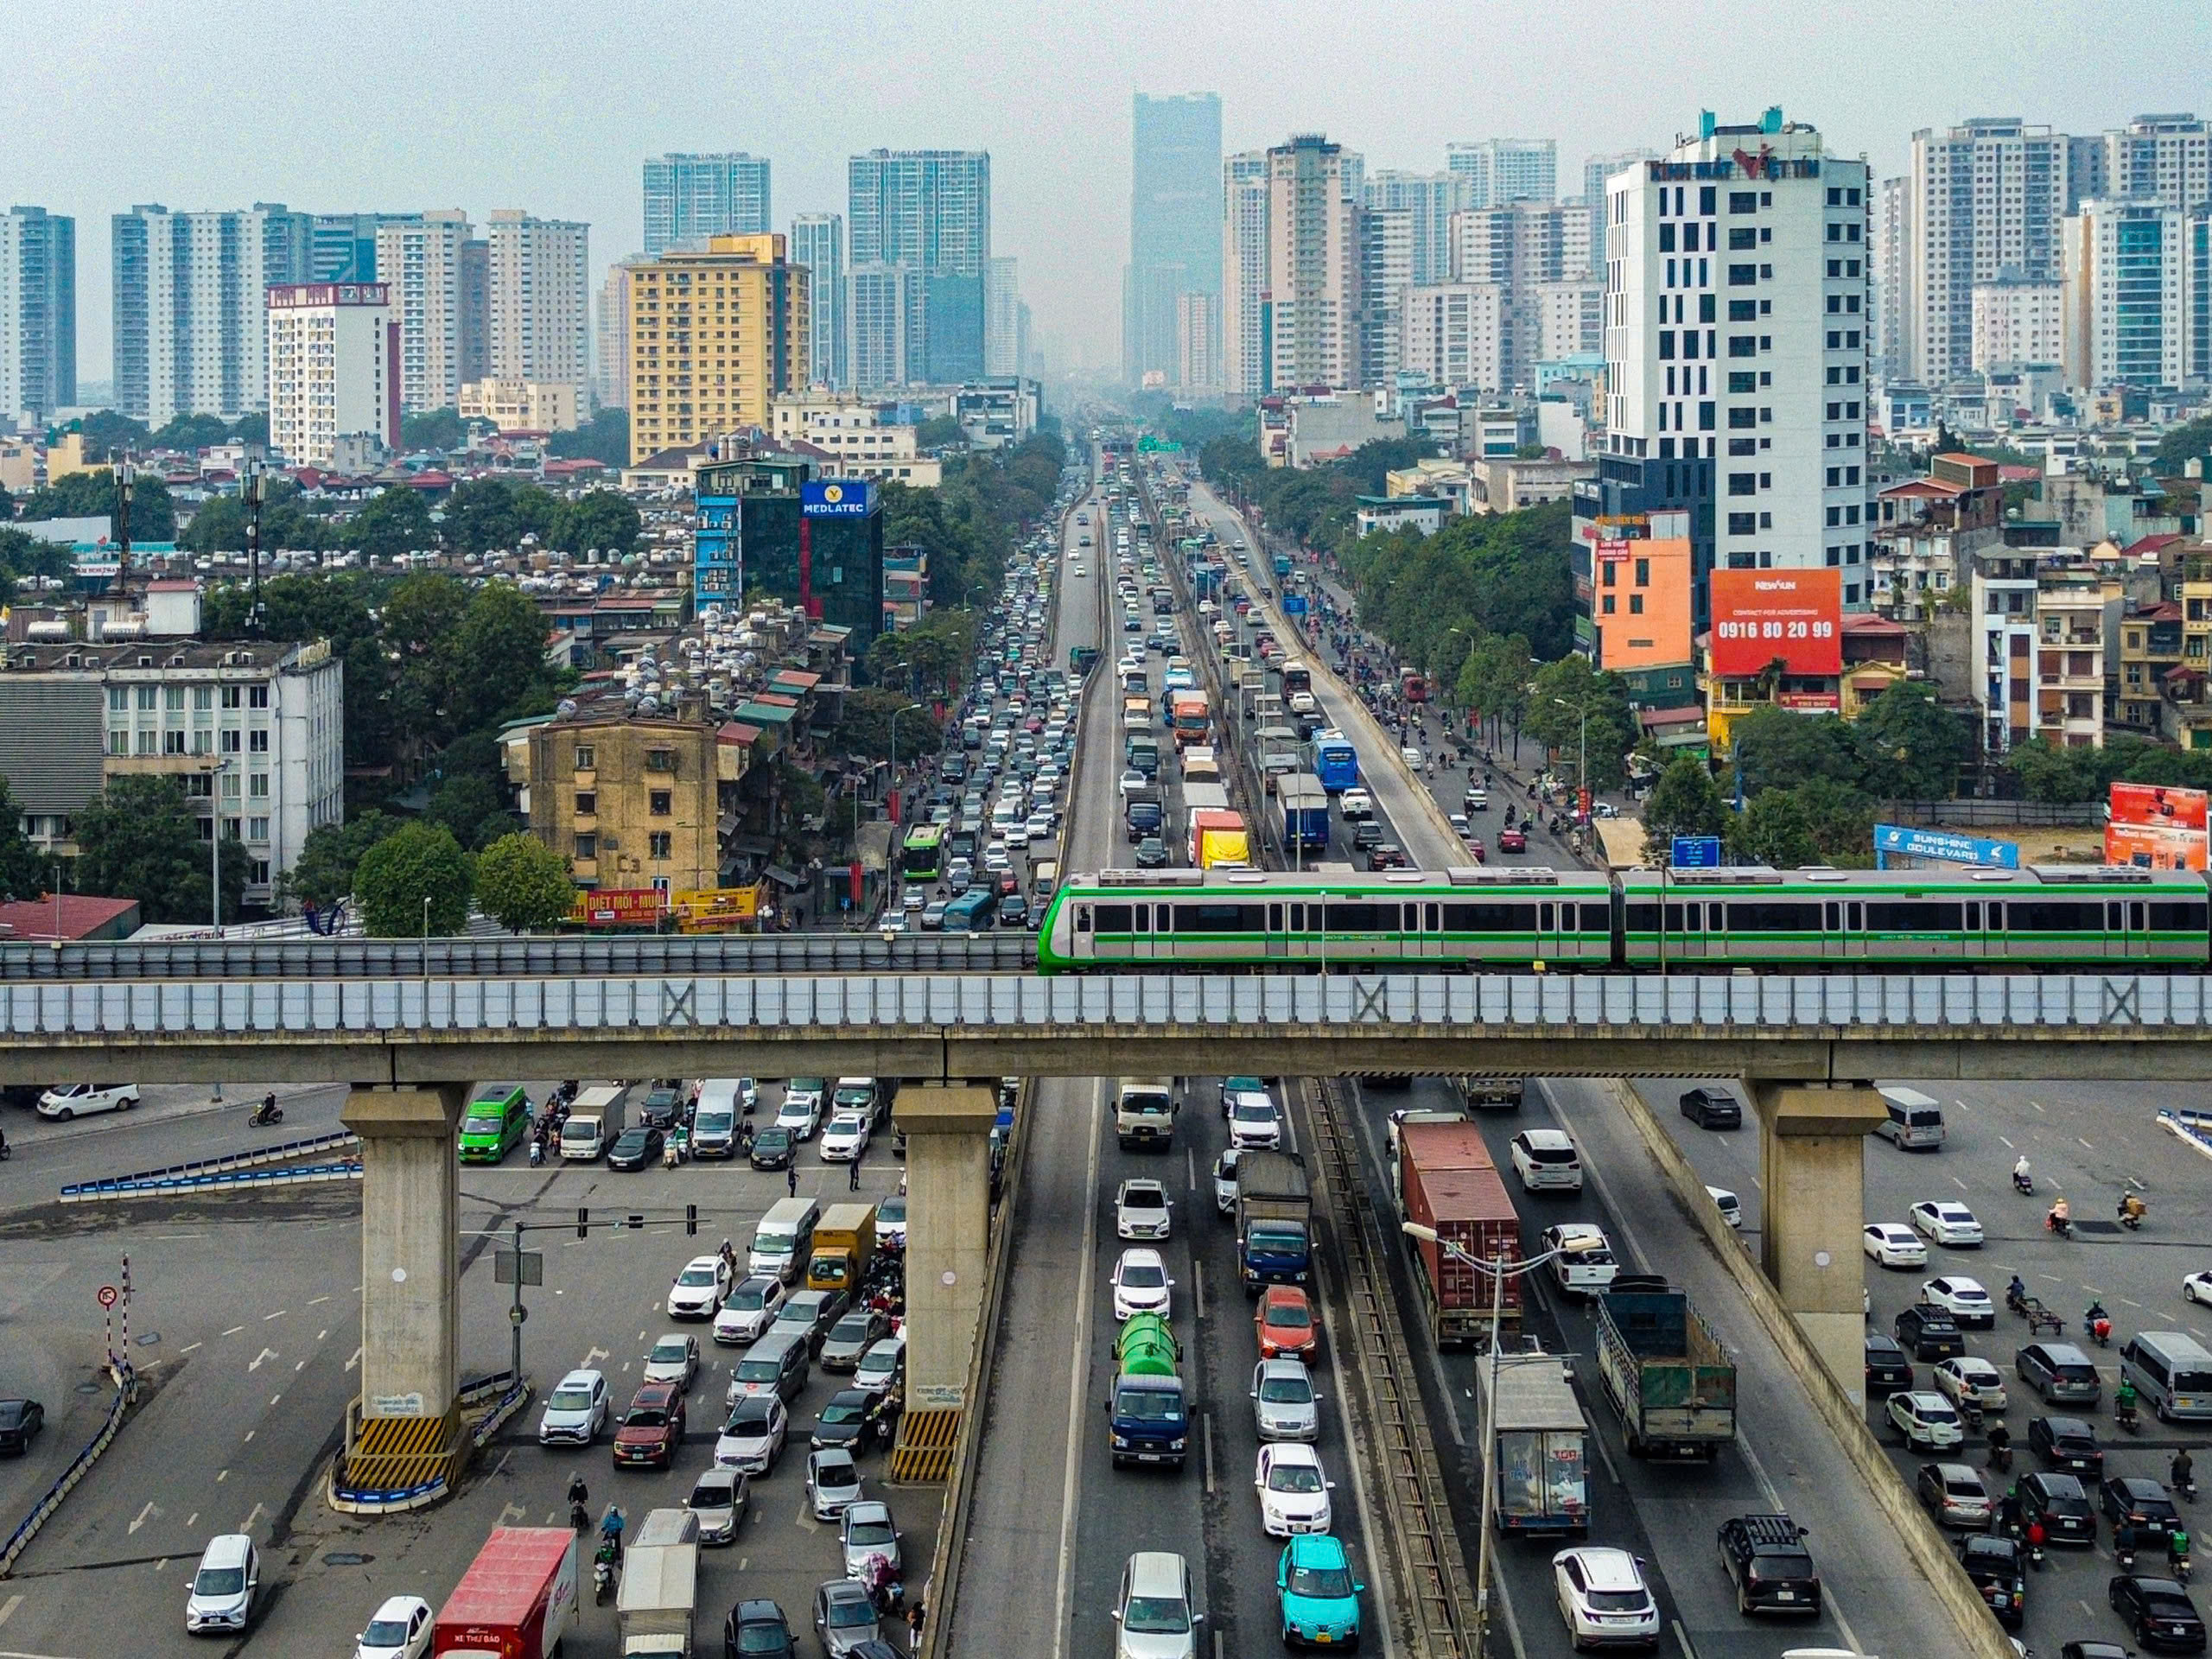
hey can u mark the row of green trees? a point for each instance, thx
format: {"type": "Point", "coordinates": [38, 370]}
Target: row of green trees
{"type": "Point", "coordinates": [970, 521]}
{"type": "Point", "coordinates": [1315, 504]}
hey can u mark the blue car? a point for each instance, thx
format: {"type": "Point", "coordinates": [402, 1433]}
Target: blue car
{"type": "Point", "coordinates": [1320, 1602]}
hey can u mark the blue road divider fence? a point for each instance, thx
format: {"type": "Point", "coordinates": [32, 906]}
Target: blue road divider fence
{"type": "Point", "coordinates": [234, 1169]}
{"type": "Point", "coordinates": [80, 1465]}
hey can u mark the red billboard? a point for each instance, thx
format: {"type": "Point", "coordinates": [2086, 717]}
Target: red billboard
{"type": "Point", "coordinates": [2156, 827]}
{"type": "Point", "coordinates": [1760, 615]}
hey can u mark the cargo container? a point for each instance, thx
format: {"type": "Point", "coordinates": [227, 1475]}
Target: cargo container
{"type": "Point", "coordinates": [1303, 805]}
{"type": "Point", "coordinates": [1471, 1210]}
{"type": "Point", "coordinates": [1665, 1371]}
{"type": "Point", "coordinates": [518, 1599]}
{"type": "Point", "coordinates": [1218, 838]}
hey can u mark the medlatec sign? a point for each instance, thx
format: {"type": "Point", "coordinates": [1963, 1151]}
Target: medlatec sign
{"type": "Point", "coordinates": [837, 498]}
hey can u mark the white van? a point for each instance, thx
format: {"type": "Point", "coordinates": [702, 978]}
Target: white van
{"type": "Point", "coordinates": [1914, 1122]}
{"type": "Point", "coordinates": [2172, 1372]}
{"type": "Point", "coordinates": [784, 1238]}
{"type": "Point", "coordinates": [224, 1585]}
{"type": "Point", "coordinates": [714, 1124]}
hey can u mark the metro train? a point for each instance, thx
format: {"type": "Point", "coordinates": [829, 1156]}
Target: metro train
{"type": "Point", "coordinates": [1477, 919]}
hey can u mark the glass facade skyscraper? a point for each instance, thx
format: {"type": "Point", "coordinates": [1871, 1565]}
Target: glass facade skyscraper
{"type": "Point", "coordinates": [1175, 226]}
{"type": "Point", "coordinates": [690, 196]}
{"type": "Point", "coordinates": [926, 210]}
{"type": "Point", "coordinates": [818, 243]}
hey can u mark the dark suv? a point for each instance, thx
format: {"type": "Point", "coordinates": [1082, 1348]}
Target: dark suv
{"type": "Point", "coordinates": [2060, 1502]}
{"type": "Point", "coordinates": [1712, 1108]}
{"type": "Point", "coordinates": [2158, 1610]}
{"type": "Point", "coordinates": [1766, 1556]}
{"type": "Point", "coordinates": [1999, 1569]}
{"type": "Point", "coordinates": [1887, 1369]}
{"type": "Point", "coordinates": [2067, 1443]}
{"type": "Point", "coordinates": [1927, 1331]}
{"type": "Point", "coordinates": [2058, 1370]}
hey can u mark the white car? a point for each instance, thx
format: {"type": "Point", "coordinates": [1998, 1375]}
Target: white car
{"type": "Point", "coordinates": [1547, 1161]}
{"type": "Point", "coordinates": [1225, 1182]}
{"type": "Point", "coordinates": [1141, 1284]}
{"type": "Point", "coordinates": [1285, 1406]}
{"type": "Point", "coordinates": [576, 1411]}
{"type": "Point", "coordinates": [1969, 1303]}
{"type": "Point", "coordinates": [1893, 1246]}
{"type": "Point", "coordinates": [1077, 570]}
{"type": "Point", "coordinates": [1255, 1121]}
{"type": "Point", "coordinates": [891, 1223]}
{"type": "Point", "coordinates": [801, 1115]}
{"type": "Point", "coordinates": [1604, 1598]}
{"type": "Point", "coordinates": [1585, 1265]}
{"type": "Point", "coordinates": [698, 1290]}
{"type": "Point", "coordinates": [2197, 1287]}
{"type": "Point", "coordinates": [1140, 1210]}
{"type": "Point", "coordinates": [1293, 1492]}
{"type": "Point", "coordinates": [1967, 1379]}
{"type": "Point", "coordinates": [846, 1139]}
{"type": "Point", "coordinates": [750, 1308]}
{"type": "Point", "coordinates": [1927, 1421]}
{"type": "Point", "coordinates": [1133, 781]}
{"type": "Point", "coordinates": [67, 1100]}
{"type": "Point", "coordinates": [754, 1437]}
{"type": "Point", "coordinates": [1947, 1223]}
{"type": "Point", "coordinates": [1357, 803]}
{"type": "Point", "coordinates": [399, 1629]}
{"type": "Point", "coordinates": [1729, 1206]}
{"type": "Point", "coordinates": [674, 1358]}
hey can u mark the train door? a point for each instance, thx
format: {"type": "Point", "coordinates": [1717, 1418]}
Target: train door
{"type": "Point", "coordinates": [1685, 928]}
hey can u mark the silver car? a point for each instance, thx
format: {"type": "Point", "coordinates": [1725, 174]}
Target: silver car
{"type": "Point", "coordinates": [851, 1337]}
{"type": "Point", "coordinates": [832, 1482]}
{"type": "Point", "coordinates": [1285, 1406]}
{"type": "Point", "coordinates": [576, 1411]}
{"type": "Point", "coordinates": [719, 1498]}
{"type": "Point", "coordinates": [867, 1530]}
{"type": "Point", "coordinates": [753, 1438]}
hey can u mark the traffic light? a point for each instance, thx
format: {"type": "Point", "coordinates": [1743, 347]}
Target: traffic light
{"type": "Point", "coordinates": [583, 1222]}
{"type": "Point", "coordinates": [691, 1219]}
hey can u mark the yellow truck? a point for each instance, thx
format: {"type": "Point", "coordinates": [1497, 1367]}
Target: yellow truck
{"type": "Point", "coordinates": [844, 1243]}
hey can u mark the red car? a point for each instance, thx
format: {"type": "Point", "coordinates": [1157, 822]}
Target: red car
{"type": "Point", "coordinates": [1284, 1324]}
{"type": "Point", "coordinates": [1512, 841]}
{"type": "Point", "coordinates": [652, 1428]}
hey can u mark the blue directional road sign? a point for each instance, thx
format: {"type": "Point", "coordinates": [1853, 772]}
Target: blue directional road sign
{"type": "Point", "coordinates": [1695, 853]}
{"type": "Point", "coordinates": [1896, 839]}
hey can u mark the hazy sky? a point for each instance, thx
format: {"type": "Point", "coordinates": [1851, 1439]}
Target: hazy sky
{"type": "Point", "coordinates": [552, 105]}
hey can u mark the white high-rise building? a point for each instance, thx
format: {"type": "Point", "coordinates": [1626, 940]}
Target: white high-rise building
{"type": "Point", "coordinates": [818, 243]}
{"type": "Point", "coordinates": [540, 300]}
{"type": "Point", "coordinates": [1885, 294]}
{"type": "Point", "coordinates": [611, 334]}
{"type": "Point", "coordinates": [2161, 158]}
{"type": "Point", "coordinates": [1313, 263]}
{"type": "Point", "coordinates": [1244, 273]}
{"type": "Point", "coordinates": [190, 333]}
{"type": "Point", "coordinates": [1984, 197]}
{"type": "Point", "coordinates": [885, 343]}
{"type": "Point", "coordinates": [1499, 170]}
{"type": "Point", "coordinates": [2018, 322]}
{"type": "Point", "coordinates": [1736, 349]}
{"type": "Point", "coordinates": [2132, 299]}
{"type": "Point", "coordinates": [1568, 320]}
{"type": "Point", "coordinates": [1454, 334]}
{"type": "Point", "coordinates": [419, 260]}
{"type": "Point", "coordinates": [1430, 200]}
{"type": "Point", "coordinates": [1522, 247]}
{"type": "Point", "coordinates": [38, 313]}
{"type": "Point", "coordinates": [1595, 171]}
{"type": "Point", "coordinates": [1002, 315]}
{"type": "Point", "coordinates": [334, 352]}
{"type": "Point", "coordinates": [1386, 241]}
{"type": "Point", "coordinates": [688, 197]}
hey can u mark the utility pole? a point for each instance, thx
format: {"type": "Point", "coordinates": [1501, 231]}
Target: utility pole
{"type": "Point", "coordinates": [126, 480]}
{"type": "Point", "coordinates": [253, 489]}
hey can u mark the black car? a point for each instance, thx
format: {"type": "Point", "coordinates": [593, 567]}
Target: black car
{"type": "Point", "coordinates": [1152, 853]}
{"type": "Point", "coordinates": [1766, 1556]}
{"type": "Point", "coordinates": [2061, 1503]}
{"type": "Point", "coordinates": [636, 1149]}
{"type": "Point", "coordinates": [847, 1419]}
{"type": "Point", "coordinates": [2144, 1504]}
{"type": "Point", "coordinates": [1369, 833]}
{"type": "Point", "coordinates": [1999, 1568]}
{"type": "Point", "coordinates": [1013, 911]}
{"type": "Point", "coordinates": [662, 1109]}
{"type": "Point", "coordinates": [1887, 1369]}
{"type": "Point", "coordinates": [758, 1630]}
{"type": "Point", "coordinates": [1927, 1331]}
{"type": "Point", "coordinates": [771, 1149]}
{"type": "Point", "coordinates": [1712, 1108]}
{"type": "Point", "coordinates": [2159, 1612]}
{"type": "Point", "coordinates": [2093, 1650]}
{"type": "Point", "coordinates": [2067, 1443]}
{"type": "Point", "coordinates": [19, 1421]}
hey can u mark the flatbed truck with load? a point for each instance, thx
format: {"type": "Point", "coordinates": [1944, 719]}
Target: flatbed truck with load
{"type": "Point", "coordinates": [1274, 1221]}
{"type": "Point", "coordinates": [1666, 1373]}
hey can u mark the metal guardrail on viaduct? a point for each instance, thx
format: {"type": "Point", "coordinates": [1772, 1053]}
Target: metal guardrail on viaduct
{"type": "Point", "coordinates": [1795, 1027]}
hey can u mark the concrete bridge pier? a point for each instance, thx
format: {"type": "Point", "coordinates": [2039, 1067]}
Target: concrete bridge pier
{"type": "Point", "coordinates": [948, 1129]}
{"type": "Point", "coordinates": [1811, 1152]}
{"type": "Point", "coordinates": [404, 1431]}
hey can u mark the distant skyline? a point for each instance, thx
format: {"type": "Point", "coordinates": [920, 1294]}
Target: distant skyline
{"type": "Point", "coordinates": [411, 105]}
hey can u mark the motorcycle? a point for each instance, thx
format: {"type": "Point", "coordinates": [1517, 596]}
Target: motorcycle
{"type": "Point", "coordinates": [2128, 1419]}
{"type": "Point", "coordinates": [267, 1113]}
{"type": "Point", "coordinates": [2099, 1326]}
{"type": "Point", "coordinates": [2000, 1458]}
{"type": "Point", "coordinates": [2023, 1185]}
{"type": "Point", "coordinates": [1970, 1415]}
{"type": "Point", "coordinates": [2035, 1548]}
{"type": "Point", "coordinates": [2131, 1212]}
{"type": "Point", "coordinates": [537, 1154]}
{"type": "Point", "coordinates": [2062, 1226]}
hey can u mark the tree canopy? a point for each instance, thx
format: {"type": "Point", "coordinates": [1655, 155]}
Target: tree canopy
{"type": "Point", "coordinates": [523, 885]}
{"type": "Point", "coordinates": [92, 495]}
{"type": "Point", "coordinates": [24, 872]}
{"type": "Point", "coordinates": [605, 438]}
{"type": "Point", "coordinates": [137, 839]}
{"type": "Point", "coordinates": [434, 428]}
{"type": "Point", "coordinates": [417, 862]}
{"type": "Point", "coordinates": [391, 523]}
{"type": "Point", "coordinates": [1574, 707]}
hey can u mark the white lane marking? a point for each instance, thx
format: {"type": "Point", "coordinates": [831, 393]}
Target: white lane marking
{"type": "Point", "coordinates": [356, 1360]}
{"type": "Point", "coordinates": [261, 1358]}
{"type": "Point", "coordinates": [222, 1476]}
{"type": "Point", "coordinates": [139, 1520]}
{"type": "Point", "coordinates": [2008, 1144]}
{"type": "Point", "coordinates": [1071, 1477]}
{"type": "Point", "coordinates": [1198, 1286]}
{"type": "Point", "coordinates": [1957, 1182]}
{"type": "Point", "coordinates": [8, 1608]}
{"type": "Point", "coordinates": [1190, 1169]}
{"type": "Point", "coordinates": [593, 1356]}
{"type": "Point", "coordinates": [252, 1516]}
{"type": "Point", "coordinates": [1682, 1639]}
{"type": "Point", "coordinates": [188, 1348]}
{"type": "Point", "coordinates": [192, 1521]}
{"type": "Point", "coordinates": [312, 1300]}
{"type": "Point", "coordinates": [1205, 1424]}
{"type": "Point", "coordinates": [2086, 1147]}
{"type": "Point", "coordinates": [300, 1365]}
{"type": "Point", "coordinates": [278, 1314]}
{"type": "Point", "coordinates": [2036, 1104]}
{"type": "Point", "coordinates": [513, 1513]}
{"type": "Point", "coordinates": [234, 1330]}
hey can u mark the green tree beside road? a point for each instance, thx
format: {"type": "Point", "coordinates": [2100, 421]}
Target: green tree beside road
{"type": "Point", "coordinates": [417, 863]}
{"type": "Point", "coordinates": [138, 839]}
{"type": "Point", "coordinates": [523, 885]}
{"type": "Point", "coordinates": [24, 871]}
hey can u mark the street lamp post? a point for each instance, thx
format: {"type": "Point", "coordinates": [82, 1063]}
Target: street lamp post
{"type": "Point", "coordinates": [1499, 1272]}
{"type": "Point", "coordinates": [893, 803]}
{"type": "Point", "coordinates": [254, 490]}
{"type": "Point", "coordinates": [1582, 768]}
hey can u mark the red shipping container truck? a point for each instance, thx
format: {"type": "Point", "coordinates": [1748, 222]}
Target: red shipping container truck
{"type": "Point", "coordinates": [517, 1600]}
{"type": "Point", "coordinates": [1448, 1181]}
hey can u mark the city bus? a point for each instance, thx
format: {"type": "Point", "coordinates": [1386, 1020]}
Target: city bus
{"type": "Point", "coordinates": [1296, 676]}
{"type": "Point", "coordinates": [923, 858]}
{"type": "Point", "coordinates": [1334, 761]}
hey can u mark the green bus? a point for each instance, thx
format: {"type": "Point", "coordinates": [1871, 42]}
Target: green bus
{"type": "Point", "coordinates": [923, 858]}
{"type": "Point", "coordinates": [495, 1123]}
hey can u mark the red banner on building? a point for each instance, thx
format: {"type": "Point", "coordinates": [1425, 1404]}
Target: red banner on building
{"type": "Point", "coordinates": [2156, 827]}
{"type": "Point", "coordinates": [1761, 615]}
{"type": "Point", "coordinates": [618, 908]}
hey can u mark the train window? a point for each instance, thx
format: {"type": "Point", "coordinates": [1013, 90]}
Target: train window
{"type": "Point", "coordinates": [1697, 919]}
{"type": "Point", "coordinates": [1275, 918]}
{"type": "Point", "coordinates": [1676, 915]}
{"type": "Point", "coordinates": [1772, 916]}
{"type": "Point", "coordinates": [1298, 916]}
{"type": "Point", "coordinates": [2053, 916]}
{"type": "Point", "coordinates": [1598, 918]}
{"type": "Point", "coordinates": [1410, 919]}
{"type": "Point", "coordinates": [2112, 916]}
{"type": "Point", "coordinates": [1549, 919]}
{"type": "Point", "coordinates": [1640, 918]}
{"type": "Point", "coordinates": [1113, 918]}
{"type": "Point", "coordinates": [1141, 918]}
{"type": "Point", "coordinates": [1431, 920]}
{"type": "Point", "coordinates": [2135, 916]}
{"type": "Point", "coordinates": [2178, 918]}
{"type": "Point", "coordinates": [1083, 918]}
{"type": "Point", "coordinates": [1834, 917]}
{"type": "Point", "coordinates": [1854, 916]}
{"type": "Point", "coordinates": [1216, 919]}
{"type": "Point", "coordinates": [1362, 919]}
{"type": "Point", "coordinates": [1973, 916]}
{"type": "Point", "coordinates": [1913, 916]}
{"type": "Point", "coordinates": [1491, 918]}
